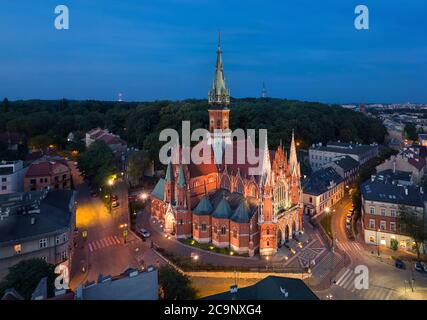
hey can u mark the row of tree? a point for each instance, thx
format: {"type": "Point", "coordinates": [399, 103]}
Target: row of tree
{"type": "Point", "coordinates": [49, 122]}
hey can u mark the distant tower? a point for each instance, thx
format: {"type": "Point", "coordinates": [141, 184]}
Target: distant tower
{"type": "Point", "coordinates": [263, 91]}
{"type": "Point", "coordinates": [120, 97]}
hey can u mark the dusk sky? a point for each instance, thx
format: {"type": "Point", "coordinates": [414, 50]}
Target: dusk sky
{"type": "Point", "coordinates": [165, 49]}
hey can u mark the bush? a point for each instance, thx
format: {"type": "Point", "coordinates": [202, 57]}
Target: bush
{"type": "Point", "coordinates": [394, 245]}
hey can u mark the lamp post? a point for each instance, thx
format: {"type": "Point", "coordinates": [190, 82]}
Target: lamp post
{"type": "Point", "coordinates": [110, 184]}
{"type": "Point", "coordinates": [125, 231]}
{"type": "Point", "coordinates": [378, 244]}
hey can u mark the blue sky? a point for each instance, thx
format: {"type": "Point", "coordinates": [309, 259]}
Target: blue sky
{"type": "Point", "coordinates": [165, 49]}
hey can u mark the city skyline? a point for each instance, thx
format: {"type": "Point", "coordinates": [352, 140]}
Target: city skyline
{"type": "Point", "coordinates": [164, 50]}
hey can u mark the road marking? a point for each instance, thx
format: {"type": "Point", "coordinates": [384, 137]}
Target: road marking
{"type": "Point", "coordinates": [117, 239]}
{"type": "Point", "coordinates": [388, 295]}
{"type": "Point", "coordinates": [100, 244]}
{"type": "Point", "coordinates": [109, 243]}
{"type": "Point", "coordinates": [90, 247]}
{"type": "Point", "coordinates": [349, 282]}
{"type": "Point", "coordinates": [342, 276]}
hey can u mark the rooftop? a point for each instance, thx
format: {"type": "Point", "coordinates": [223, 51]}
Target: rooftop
{"type": "Point", "coordinates": [49, 210]}
{"type": "Point", "coordinates": [270, 288]}
{"type": "Point", "coordinates": [320, 181]}
{"type": "Point", "coordinates": [345, 148]}
{"type": "Point", "coordinates": [346, 163]}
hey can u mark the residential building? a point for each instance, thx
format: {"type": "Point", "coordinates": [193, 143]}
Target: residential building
{"type": "Point", "coordinates": [323, 189]}
{"type": "Point", "coordinates": [133, 285]}
{"type": "Point", "coordinates": [269, 288]}
{"type": "Point", "coordinates": [321, 155]}
{"type": "Point", "coordinates": [382, 197]}
{"type": "Point", "coordinates": [409, 159]}
{"type": "Point", "coordinates": [116, 144]}
{"type": "Point", "coordinates": [224, 202]}
{"type": "Point", "coordinates": [43, 174]}
{"type": "Point", "coordinates": [36, 224]}
{"type": "Point", "coordinates": [12, 176]}
{"type": "Point", "coordinates": [346, 167]}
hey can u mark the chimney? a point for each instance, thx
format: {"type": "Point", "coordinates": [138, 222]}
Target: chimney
{"type": "Point", "coordinates": [33, 220]}
{"type": "Point", "coordinates": [394, 166]}
{"type": "Point", "coordinates": [421, 190]}
{"type": "Point", "coordinates": [406, 191]}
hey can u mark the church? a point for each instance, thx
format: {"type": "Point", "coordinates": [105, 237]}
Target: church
{"type": "Point", "coordinates": [223, 203]}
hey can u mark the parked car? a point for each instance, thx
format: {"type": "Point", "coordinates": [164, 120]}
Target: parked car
{"type": "Point", "coordinates": [399, 264]}
{"type": "Point", "coordinates": [114, 197]}
{"type": "Point", "coordinates": [115, 204]}
{"type": "Point", "coordinates": [348, 220]}
{"type": "Point", "coordinates": [419, 267]}
{"type": "Point", "coordinates": [145, 233]}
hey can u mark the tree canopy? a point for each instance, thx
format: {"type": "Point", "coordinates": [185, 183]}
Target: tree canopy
{"type": "Point", "coordinates": [25, 276]}
{"type": "Point", "coordinates": [412, 223]}
{"type": "Point", "coordinates": [139, 123]}
{"type": "Point", "coordinates": [174, 285]}
{"type": "Point", "coordinates": [97, 163]}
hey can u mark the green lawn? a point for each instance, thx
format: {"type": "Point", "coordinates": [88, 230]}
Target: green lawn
{"type": "Point", "coordinates": [210, 247]}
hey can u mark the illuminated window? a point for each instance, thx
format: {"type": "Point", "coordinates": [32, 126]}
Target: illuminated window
{"type": "Point", "coordinates": [372, 210]}
{"type": "Point", "coordinates": [17, 248]}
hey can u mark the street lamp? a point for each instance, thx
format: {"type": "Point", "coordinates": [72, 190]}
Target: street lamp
{"type": "Point", "coordinates": [110, 182]}
{"type": "Point", "coordinates": [378, 244]}
{"type": "Point", "coordinates": [125, 230]}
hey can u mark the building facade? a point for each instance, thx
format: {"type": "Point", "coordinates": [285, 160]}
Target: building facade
{"type": "Point", "coordinates": [37, 224]}
{"type": "Point", "coordinates": [45, 174]}
{"type": "Point", "coordinates": [382, 197]}
{"type": "Point", "coordinates": [222, 202]}
{"type": "Point", "coordinates": [11, 176]}
{"type": "Point", "coordinates": [321, 155]}
{"type": "Point", "coordinates": [323, 189]}
{"type": "Point", "coordinates": [346, 167]}
{"type": "Point", "coordinates": [409, 159]}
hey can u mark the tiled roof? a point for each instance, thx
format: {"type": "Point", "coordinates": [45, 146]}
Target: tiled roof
{"type": "Point", "coordinates": [346, 163]}
{"type": "Point", "coordinates": [46, 168]}
{"type": "Point", "coordinates": [204, 207]}
{"type": "Point", "coordinates": [392, 193]}
{"type": "Point", "coordinates": [223, 210]}
{"type": "Point", "coordinates": [319, 181]}
{"type": "Point", "coordinates": [241, 214]}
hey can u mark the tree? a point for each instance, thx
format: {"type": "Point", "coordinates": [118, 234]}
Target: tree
{"type": "Point", "coordinates": [138, 163]}
{"type": "Point", "coordinates": [174, 285]}
{"type": "Point", "coordinates": [412, 223]}
{"type": "Point", "coordinates": [25, 276]}
{"type": "Point", "coordinates": [411, 132]}
{"type": "Point", "coordinates": [6, 105]}
{"type": "Point", "coordinates": [394, 244]}
{"type": "Point", "coordinates": [40, 142]}
{"type": "Point", "coordinates": [97, 163]}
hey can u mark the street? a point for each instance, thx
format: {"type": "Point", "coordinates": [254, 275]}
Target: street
{"type": "Point", "coordinates": [386, 282]}
{"type": "Point", "coordinates": [103, 250]}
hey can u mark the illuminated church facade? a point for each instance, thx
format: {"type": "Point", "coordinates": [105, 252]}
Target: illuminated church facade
{"type": "Point", "coordinates": [223, 203]}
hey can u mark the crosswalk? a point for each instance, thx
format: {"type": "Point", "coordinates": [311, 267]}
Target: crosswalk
{"type": "Point", "coordinates": [103, 243]}
{"type": "Point", "coordinates": [351, 248]}
{"type": "Point", "coordinates": [346, 280]}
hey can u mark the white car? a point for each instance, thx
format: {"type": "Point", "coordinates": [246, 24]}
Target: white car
{"type": "Point", "coordinates": [145, 233]}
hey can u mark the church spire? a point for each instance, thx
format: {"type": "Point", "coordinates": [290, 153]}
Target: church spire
{"type": "Point", "coordinates": [219, 94]}
{"type": "Point", "coordinates": [293, 161]}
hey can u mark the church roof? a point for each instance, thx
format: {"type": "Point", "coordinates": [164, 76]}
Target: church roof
{"type": "Point", "coordinates": [204, 207]}
{"type": "Point", "coordinates": [223, 210]}
{"type": "Point", "coordinates": [159, 190]}
{"type": "Point", "coordinates": [181, 177]}
{"type": "Point", "coordinates": [242, 213]}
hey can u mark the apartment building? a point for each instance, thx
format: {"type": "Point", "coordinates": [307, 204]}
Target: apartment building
{"type": "Point", "coordinates": [45, 174]}
{"type": "Point", "coordinates": [36, 224]}
{"type": "Point", "coordinates": [11, 176]}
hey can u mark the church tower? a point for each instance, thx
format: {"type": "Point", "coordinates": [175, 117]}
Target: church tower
{"type": "Point", "coordinates": [219, 112]}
